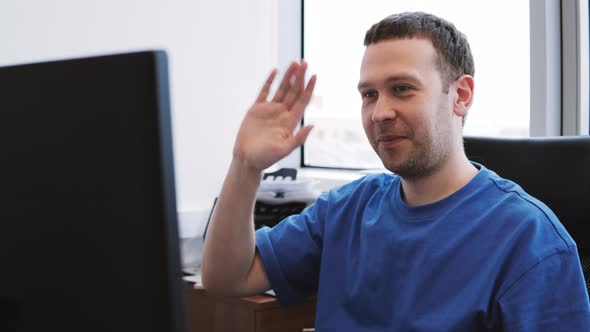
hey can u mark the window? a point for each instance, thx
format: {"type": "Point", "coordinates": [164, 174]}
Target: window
{"type": "Point", "coordinates": [333, 36]}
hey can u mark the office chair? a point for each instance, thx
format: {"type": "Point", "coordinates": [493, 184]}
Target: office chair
{"type": "Point", "coordinates": [555, 170]}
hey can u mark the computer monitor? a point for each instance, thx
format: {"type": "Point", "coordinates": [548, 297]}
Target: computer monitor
{"type": "Point", "coordinates": [88, 224]}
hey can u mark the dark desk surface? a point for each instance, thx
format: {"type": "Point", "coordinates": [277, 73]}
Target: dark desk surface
{"type": "Point", "coordinates": [260, 313]}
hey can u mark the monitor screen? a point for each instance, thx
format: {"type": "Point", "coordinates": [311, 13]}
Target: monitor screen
{"type": "Point", "coordinates": [88, 224]}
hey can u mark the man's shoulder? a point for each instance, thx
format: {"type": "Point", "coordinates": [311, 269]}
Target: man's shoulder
{"type": "Point", "coordinates": [525, 212]}
{"type": "Point", "coordinates": [517, 199]}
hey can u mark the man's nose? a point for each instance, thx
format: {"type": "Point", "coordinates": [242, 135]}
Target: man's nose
{"type": "Point", "coordinates": [385, 110]}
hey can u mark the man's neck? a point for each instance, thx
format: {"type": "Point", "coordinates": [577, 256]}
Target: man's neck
{"type": "Point", "coordinates": [454, 174]}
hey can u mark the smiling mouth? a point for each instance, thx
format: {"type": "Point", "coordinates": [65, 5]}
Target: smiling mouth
{"type": "Point", "coordinates": [390, 140]}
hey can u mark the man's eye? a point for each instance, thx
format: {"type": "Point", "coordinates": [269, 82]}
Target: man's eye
{"type": "Point", "coordinates": [368, 94]}
{"type": "Point", "coordinates": [401, 89]}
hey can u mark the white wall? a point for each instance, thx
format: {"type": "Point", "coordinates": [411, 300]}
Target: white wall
{"type": "Point", "coordinates": [219, 54]}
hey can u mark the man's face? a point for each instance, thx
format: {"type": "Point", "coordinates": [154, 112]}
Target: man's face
{"type": "Point", "coordinates": [407, 117]}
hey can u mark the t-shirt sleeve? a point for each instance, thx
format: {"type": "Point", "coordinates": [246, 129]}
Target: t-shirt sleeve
{"type": "Point", "coordinates": [551, 296]}
{"type": "Point", "coordinates": [291, 253]}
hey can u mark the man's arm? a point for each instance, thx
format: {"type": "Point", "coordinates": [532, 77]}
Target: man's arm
{"type": "Point", "coordinates": [230, 263]}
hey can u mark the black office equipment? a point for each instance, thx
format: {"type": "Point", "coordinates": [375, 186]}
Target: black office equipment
{"type": "Point", "coordinates": [270, 214]}
{"type": "Point", "coordinates": [267, 214]}
{"type": "Point", "coordinates": [88, 225]}
{"type": "Point", "coordinates": [287, 173]}
{"type": "Point", "coordinates": [555, 170]}
{"type": "Point", "coordinates": [209, 218]}
{"type": "Point", "coordinates": [280, 195]}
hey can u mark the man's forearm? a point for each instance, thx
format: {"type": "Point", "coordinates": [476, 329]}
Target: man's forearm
{"type": "Point", "coordinates": [267, 134]}
{"type": "Point", "coordinates": [230, 245]}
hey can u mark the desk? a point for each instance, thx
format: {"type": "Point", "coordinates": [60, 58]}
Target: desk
{"type": "Point", "coordinates": [261, 313]}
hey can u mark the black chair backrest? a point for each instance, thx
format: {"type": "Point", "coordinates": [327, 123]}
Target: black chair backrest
{"type": "Point", "coordinates": [555, 170]}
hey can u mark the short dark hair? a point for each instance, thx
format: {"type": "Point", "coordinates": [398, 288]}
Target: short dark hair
{"type": "Point", "coordinates": [452, 48]}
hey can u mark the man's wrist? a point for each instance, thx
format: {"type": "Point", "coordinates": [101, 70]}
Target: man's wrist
{"type": "Point", "coordinates": [246, 171]}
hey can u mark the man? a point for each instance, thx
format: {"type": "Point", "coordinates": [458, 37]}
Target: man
{"type": "Point", "coordinates": [442, 245]}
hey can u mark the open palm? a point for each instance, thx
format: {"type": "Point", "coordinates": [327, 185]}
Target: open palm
{"type": "Point", "coordinates": [267, 131]}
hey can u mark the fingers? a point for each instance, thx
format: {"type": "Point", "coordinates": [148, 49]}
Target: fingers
{"type": "Point", "coordinates": [285, 83]}
{"type": "Point", "coordinates": [266, 88]}
{"type": "Point", "coordinates": [292, 91]}
{"type": "Point", "coordinates": [302, 134]}
{"type": "Point", "coordinates": [304, 99]}
{"type": "Point", "coordinates": [298, 139]}
{"type": "Point", "coordinates": [297, 87]}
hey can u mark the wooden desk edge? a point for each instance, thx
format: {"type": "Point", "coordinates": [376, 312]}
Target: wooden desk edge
{"type": "Point", "coordinates": [264, 300]}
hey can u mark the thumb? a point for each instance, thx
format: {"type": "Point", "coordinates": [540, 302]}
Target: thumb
{"type": "Point", "coordinates": [302, 134]}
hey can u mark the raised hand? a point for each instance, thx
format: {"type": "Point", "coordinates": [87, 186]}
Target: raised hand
{"type": "Point", "coordinates": [267, 131]}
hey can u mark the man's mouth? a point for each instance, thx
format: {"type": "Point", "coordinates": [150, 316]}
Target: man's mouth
{"type": "Point", "coordinates": [390, 140]}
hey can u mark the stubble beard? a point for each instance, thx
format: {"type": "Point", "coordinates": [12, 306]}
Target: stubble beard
{"type": "Point", "coordinates": [423, 160]}
{"type": "Point", "coordinates": [427, 155]}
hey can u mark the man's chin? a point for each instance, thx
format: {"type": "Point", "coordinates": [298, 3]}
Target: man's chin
{"type": "Point", "coordinates": [396, 167]}
{"type": "Point", "coordinates": [406, 168]}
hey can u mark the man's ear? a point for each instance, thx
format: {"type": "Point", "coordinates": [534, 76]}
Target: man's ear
{"type": "Point", "coordinates": [463, 94]}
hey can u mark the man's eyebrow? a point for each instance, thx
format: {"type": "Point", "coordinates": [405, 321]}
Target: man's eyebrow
{"type": "Point", "coordinates": [392, 79]}
{"type": "Point", "coordinates": [363, 85]}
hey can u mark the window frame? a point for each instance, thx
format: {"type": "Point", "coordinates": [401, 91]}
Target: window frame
{"type": "Point", "coordinates": [559, 72]}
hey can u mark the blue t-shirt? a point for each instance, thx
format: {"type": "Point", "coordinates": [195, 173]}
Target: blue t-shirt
{"type": "Point", "coordinates": [487, 258]}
